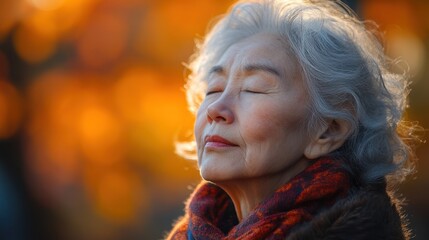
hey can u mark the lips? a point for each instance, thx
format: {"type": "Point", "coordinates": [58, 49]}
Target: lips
{"type": "Point", "coordinates": [216, 141]}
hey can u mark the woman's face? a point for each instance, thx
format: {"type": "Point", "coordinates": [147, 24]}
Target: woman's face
{"type": "Point", "coordinates": [252, 121]}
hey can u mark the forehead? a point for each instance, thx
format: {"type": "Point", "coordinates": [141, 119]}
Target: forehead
{"type": "Point", "coordinates": [262, 48]}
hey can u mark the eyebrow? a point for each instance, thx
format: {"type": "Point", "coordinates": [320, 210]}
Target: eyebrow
{"type": "Point", "coordinates": [216, 69]}
{"type": "Point", "coordinates": [261, 67]}
{"type": "Point", "coordinates": [248, 68]}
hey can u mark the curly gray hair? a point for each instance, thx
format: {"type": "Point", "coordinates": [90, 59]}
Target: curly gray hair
{"type": "Point", "coordinates": [347, 75]}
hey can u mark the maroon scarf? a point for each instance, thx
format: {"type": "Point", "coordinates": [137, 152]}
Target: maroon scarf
{"type": "Point", "coordinates": [210, 213]}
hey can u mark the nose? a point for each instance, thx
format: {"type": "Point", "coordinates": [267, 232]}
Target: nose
{"type": "Point", "coordinates": [220, 111]}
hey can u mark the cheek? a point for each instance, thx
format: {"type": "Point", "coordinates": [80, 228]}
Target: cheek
{"type": "Point", "coordinates": [266, 125]}
{"type": "Point", "coordinates": [200, 123]}
{"type": "Point", "coordinates": [260, 122]}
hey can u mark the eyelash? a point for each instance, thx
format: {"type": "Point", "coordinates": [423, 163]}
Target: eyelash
{"type": "Point", "coordinates": [217, 91]}
{"type": "Point", "coordinates": [250, 91]}
{"type": "Point", "coordinates": [212, 92]}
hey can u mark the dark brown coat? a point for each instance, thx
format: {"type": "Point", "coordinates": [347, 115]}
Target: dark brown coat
{"type": "Point", "coordinates": [369, 213]}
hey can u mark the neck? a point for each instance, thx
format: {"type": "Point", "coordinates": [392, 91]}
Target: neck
{"type": "Point", "coordinates": [247, 193]}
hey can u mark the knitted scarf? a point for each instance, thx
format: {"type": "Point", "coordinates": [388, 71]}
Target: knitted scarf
{"type": "Point", "coordinates": [210, 213]}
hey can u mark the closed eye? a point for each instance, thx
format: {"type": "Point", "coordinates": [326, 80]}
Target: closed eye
{"type": "Point", "coordinates": [252, 91]}
{"type": "Point", "coordinates": [212, 92]}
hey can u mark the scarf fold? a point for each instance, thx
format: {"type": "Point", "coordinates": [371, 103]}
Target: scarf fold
{"type": "Point", "coordinates": [210, 213]}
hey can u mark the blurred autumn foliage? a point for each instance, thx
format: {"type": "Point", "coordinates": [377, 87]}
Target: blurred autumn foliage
{"type": "Point", "coordinates": [91, 102]}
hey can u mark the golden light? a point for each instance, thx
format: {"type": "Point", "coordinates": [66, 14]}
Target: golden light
{"type": "Point", "coordinates": [129, 93]}
{"type": "Point", "coordinates": [400, 30]}
{"type": "Point", "coordinates": [380, 12]}
{"type": "Point", "coordinates": [103, 40]}
{"type": "Point", "coordinates": [117, 194]}
{"type": "Point", "coordinates": [51, 141]}
{"type": "Point", "coordinates": [63, 16]}
{"type": "Point", "coordinates": [46, 4]}
{"type": "Point", "coordinates": [407, 46]}
{"type": "Point", "coordinates": [35, 40]}
{"type": "Point", "coordinates": [166, 31]}
{"type": "Point", "coordinates": [76, 137]}
{"type": "Point", "coordinates": [99, 134]}
{"type": "Point", "coordinates": [10, 109]}
{"type": "Point", "coordinates": [149, 101]}
{"type": "Point", "coordinates": [11, 12]}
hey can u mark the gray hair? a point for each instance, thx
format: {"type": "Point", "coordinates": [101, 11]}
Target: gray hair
{"type": "Point", "coordinates": [347, 75]}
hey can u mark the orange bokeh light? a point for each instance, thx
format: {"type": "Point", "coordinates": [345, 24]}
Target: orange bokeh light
{"type": "Point", "coordinates": [117, 194]}
{"type": "Point", "coordinates": [103, 40]}
{"type": "Point", "coordinates": [100, 135]}
{"type": "Point", "coordinates": [11, 12]}
{"type": "Point", "coordinates": [10, 109]}
{"type": "Point", "coordinates": [35, 40]}
{"type": "Point", "coordinates": [47, 4]}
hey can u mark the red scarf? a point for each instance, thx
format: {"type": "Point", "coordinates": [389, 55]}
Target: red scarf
{"type": "Point", "coordinates": [210, 213]}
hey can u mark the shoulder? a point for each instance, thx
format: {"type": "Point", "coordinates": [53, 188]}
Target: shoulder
{"type": "Point", "coordinates": [367, 213]}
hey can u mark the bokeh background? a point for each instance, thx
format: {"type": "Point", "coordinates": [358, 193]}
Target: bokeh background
{"type": "Point", "coordinates": [91, 102]}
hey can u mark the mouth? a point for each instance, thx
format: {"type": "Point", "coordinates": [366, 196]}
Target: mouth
{"type": "Point", "coordinates": [215, 141]}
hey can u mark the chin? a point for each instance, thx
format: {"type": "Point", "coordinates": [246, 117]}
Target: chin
{"type": "Point", "coordinates": [212, 175]}
{"type": "Point", "coordinates": [209, 175]}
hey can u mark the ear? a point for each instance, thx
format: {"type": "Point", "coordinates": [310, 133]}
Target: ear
{"type": "Point", "coordinates": [329, 138]}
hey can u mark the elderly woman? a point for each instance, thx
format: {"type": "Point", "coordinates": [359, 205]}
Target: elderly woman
{"type": "Point", "coordinates": [298, 127]}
